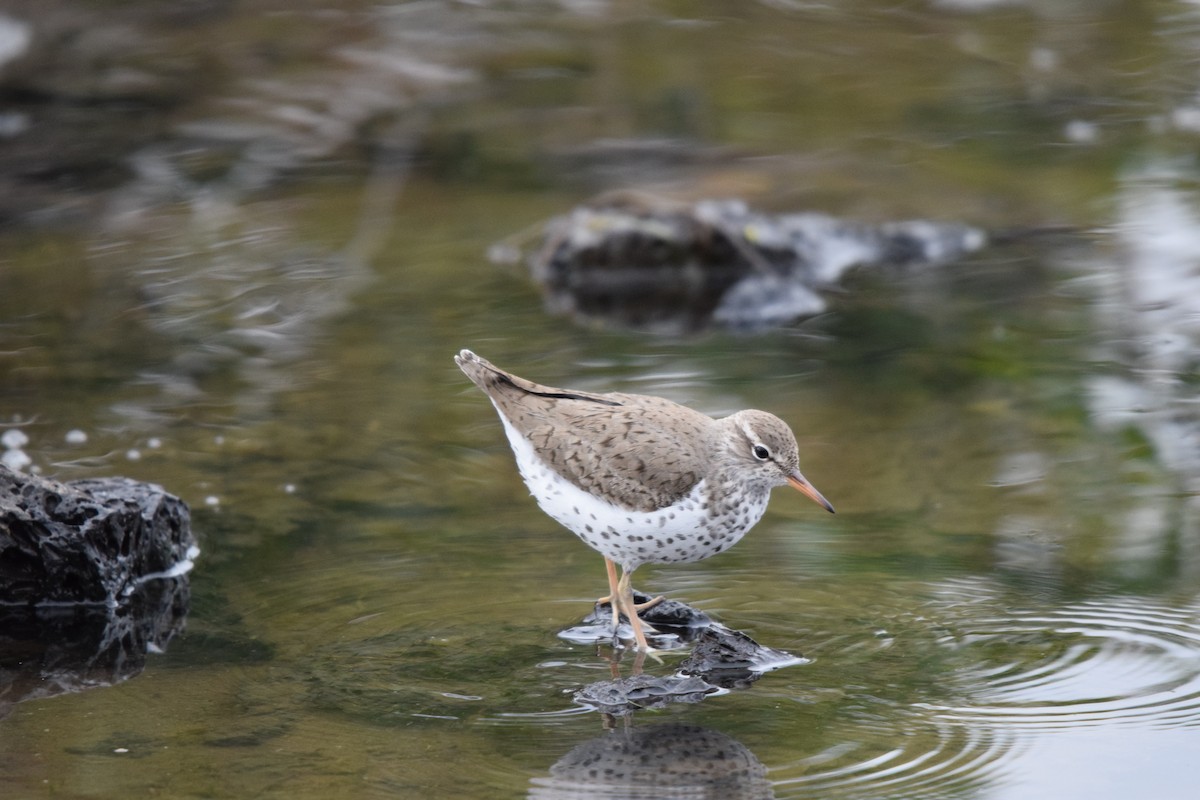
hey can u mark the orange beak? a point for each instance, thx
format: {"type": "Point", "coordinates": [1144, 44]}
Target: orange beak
{"type": "Point", "coordinates": [801, 484]}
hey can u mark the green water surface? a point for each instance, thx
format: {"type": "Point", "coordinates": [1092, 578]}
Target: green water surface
{"type": "Point", "coordinates": [1004, 606]}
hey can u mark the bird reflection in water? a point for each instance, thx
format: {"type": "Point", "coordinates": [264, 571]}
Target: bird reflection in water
{"type": "Point", "coordinates": [656, 761]}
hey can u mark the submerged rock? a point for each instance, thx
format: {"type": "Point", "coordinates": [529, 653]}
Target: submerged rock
{"type": "Point", "coordinates": [644, 263]}
{"type": "Point", "coordinates": [87, 542]}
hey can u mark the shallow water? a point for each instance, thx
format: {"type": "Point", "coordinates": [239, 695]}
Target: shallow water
{"type": "Point", "coordinates": [1007, 603]}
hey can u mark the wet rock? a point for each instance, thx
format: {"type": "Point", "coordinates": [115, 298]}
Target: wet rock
{"type": "Point", "coordinates": [92, 578]}
{"type": "Point", "coordinates": [674, 624]}
{"type": "Point", "coordinates": [670, 614]}
{"type": "Point", "coordinates": [730, 659]}
{"type": "Point", "coordinates": [670, 760]}
{"type": "Point", "coordinates": [87, 542]}
{"type": "Point", "coordinates": [720, 659]}
{"type": "Point", "coordinates": [639, 262]}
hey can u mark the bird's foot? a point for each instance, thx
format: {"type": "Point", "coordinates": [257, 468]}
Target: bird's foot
{"type": "Point", "coordinates": [620, 645]}
{"type": "Point", "coordinates": [651, 603]}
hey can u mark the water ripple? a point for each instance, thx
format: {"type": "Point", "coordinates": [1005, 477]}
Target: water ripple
{"type": "Point", "coordinates": [1015, 675]}
{"type": "Point", "coordinates": [927, 757]}
{"type": "Point", "coordinates": [1104, 661]}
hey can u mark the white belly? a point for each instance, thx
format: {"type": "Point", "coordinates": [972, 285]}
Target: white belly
{"type": "Point", "coordinates": [684, 532]}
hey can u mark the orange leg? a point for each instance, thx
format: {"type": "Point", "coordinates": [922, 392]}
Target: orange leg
{"type": "Point", "coordinates": [651, 603]}
{"type": "Point", "coordinates": [625, 599]}
{"type": "Point", "coordinates": [620, 595]}
{"type": "Point", "coordinates": [612, 590]}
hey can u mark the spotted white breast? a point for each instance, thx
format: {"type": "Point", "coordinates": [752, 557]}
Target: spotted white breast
{"type": "Point", "coordinates": [689, 530]}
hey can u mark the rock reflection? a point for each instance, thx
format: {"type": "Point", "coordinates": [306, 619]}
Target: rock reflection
{"type": "Point", "coordinates": [656, 761]}
{"type": "Point", "coordinates": [621, 696]}
{"type": "Point", "coordinates": [49, 651]}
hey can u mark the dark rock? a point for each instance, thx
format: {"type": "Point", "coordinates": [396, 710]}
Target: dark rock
{"type": "Point", "coordinates": [672, 614]}
{"type": "Point", "coordinates": [732, 660]}
{"type": "Point", "coordinates": [672, 624]}
{"type": "Point", "coordinates": [721, 659]}
{"type": "Point", "coordinates": [640, 262]}
{"type": "Point", "coordinates": [666, 613]}
{"type": "Point", "coordinates": [90, 542]}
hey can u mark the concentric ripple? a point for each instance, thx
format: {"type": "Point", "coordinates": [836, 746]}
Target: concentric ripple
{"type": "Point", "coordinates": [1011, 676]}
{"type": "Point", "coordinates": [928, 758]}
{"type": "Point", "coordinates": [1117, 660]}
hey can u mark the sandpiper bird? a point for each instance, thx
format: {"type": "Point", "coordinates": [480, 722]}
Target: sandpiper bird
{"type": "Point", "coordinates": [640, 479]}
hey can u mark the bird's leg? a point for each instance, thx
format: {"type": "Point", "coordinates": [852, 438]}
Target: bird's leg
{"type": "Point", "coordinates": [625, 598]}
{"type": "Point", "coordinates": [612, 582]}
{"type": "Point", "coordinates": [612, 591]}
{"type": "Point", "coordinates": [651, 603]}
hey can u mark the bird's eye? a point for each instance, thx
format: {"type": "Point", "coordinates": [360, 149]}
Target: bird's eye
{"type": "Point", "coordinates": [761, 452]}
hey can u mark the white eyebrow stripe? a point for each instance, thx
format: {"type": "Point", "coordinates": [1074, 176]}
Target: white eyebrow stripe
{"type": "Point", "coordinates": [751, 435]}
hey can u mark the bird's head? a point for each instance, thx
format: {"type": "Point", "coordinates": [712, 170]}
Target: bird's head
{"type": "Point", "coordinates": [764, 449]}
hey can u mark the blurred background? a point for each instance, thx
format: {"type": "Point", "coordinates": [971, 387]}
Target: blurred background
{"type": "Point", "coordinates": [240, 243]}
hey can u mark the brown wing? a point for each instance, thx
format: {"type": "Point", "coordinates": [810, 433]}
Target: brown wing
{"type": "Point", "coordinates": [645, 454]}
{"type": "Point", "coordinates": [641, 452]}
